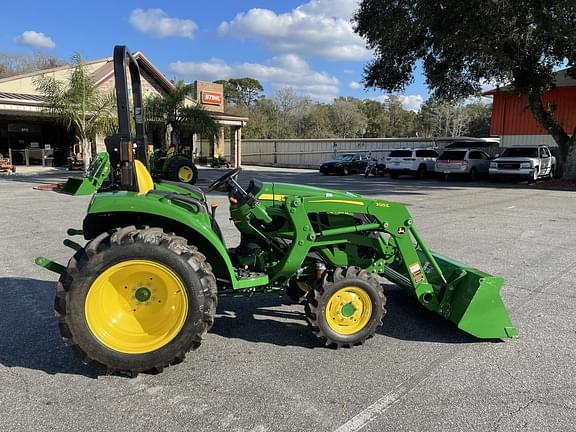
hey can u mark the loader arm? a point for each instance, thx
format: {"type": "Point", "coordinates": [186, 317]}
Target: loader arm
{"type": "Point", "coordinates": [462, 294]}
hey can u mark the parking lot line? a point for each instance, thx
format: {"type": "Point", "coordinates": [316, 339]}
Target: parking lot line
{"type": "Point", "coordinates": [363, 418]}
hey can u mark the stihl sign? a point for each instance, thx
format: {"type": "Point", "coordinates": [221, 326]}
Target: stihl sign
{"type": "Point", "coordinates": [211, 98]}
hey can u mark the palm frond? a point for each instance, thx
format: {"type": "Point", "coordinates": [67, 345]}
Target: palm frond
{"type": "Point", "coordinates": [77, 103]}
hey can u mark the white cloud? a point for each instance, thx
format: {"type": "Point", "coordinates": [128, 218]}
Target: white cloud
{"type": "Point", "coordinates": [410, 102]}
{"type": "Point", "coordinates": [287, 70]}
{"type": "Point", "coordinates": [159, 24]}
{"type": "Point", "coordinates": [336, 8]}
{"type": "Point", "coordinates": [318, 29]}
{"type": "Point", "coordinates": [354, 85]}
{"type": "Point", "coordinates": [34, 39]}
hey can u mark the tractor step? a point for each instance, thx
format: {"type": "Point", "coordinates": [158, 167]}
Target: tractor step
{"type": "Point", "coordinates": [249, 279]}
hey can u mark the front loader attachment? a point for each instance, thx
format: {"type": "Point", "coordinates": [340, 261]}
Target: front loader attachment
{"type": "Point", "coordinates": [91, 182]}
{"type": "Point", "coordinates": [471, 299]}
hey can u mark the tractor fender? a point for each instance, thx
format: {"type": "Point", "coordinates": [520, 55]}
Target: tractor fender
{"type": "Point", "coordinates": [109, 210]}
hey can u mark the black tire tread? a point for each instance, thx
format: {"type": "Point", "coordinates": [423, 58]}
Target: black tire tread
{"type": "Point", "coordinates": [315, 295]}
{"type": "Point", "coordinates": [84, 259]}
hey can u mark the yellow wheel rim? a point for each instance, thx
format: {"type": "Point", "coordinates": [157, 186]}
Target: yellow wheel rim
{"type": "Point", "coordinates": [185, 174]}
{"type": "Point", "coordinates": [136, 306]}
{"type": "Point", "coordinates": [348, 310]}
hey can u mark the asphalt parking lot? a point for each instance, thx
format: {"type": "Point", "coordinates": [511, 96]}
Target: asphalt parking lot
{"type": "Point", "coordinates": [260, 369]}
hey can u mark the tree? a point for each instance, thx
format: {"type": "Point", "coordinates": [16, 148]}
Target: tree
{"type": "Point", "coordinates": [79, 105]}
{"type": "Point", "coordinates": [242, 91]}
{"type": "Point", "coordinates": [479, 115]}
{"type": "Point", "coordinates": [400, 122]}
{"type": "Point", "coordinates": [16, 64]}
{"type": "Point", "coordinates": [376, 118]}
{"type": "Point", "coordinates": [521, 43]}
{"type": "Point", "coordinates": [440, 118]}
{"type": "Point", "coordinates": [289, 107]}
{"type": "Point", "coordinates": [172, 112]}
{"type": "Point", "coordinates": [348, 119]}
{"type": "Point", "coordinates": [317, 122]}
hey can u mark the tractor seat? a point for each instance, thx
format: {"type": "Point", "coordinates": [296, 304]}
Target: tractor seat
{"type": "Point", "coordinates": [254, 187]}
{"type": "Point", "coordinates": [145, 182]}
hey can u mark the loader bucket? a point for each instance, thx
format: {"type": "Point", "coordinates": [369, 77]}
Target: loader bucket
{"type": "Point", "coordinates": [472, 300]}
{"type": "Point", "coordinates": [78, 186]}
{"type": "Point", "coordinates": [91, 182]}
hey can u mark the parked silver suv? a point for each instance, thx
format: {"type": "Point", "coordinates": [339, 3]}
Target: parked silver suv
{"type": "Point", "coordinates": [419, 162]}
{"type": "Point", "coordinates": [471, 163]}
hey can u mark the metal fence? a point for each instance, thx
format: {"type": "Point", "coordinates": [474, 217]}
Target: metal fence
{"type": "Point", "coordinates": [309, 153]}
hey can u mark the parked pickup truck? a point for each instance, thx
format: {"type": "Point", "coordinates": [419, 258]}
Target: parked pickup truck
{"type": "Point", "coordinates": [524, 163]}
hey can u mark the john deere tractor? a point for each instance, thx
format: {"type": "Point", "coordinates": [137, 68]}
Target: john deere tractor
{"type": "Point", "coordinates": [143, 290]}
{"type": "Point", "coordinates": [171, 165]}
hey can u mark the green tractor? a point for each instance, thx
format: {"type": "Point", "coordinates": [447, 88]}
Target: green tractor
{"type": "Point", "coordinates": [143, 290]}
{"type": "Point", "coordinates": [172, 165]}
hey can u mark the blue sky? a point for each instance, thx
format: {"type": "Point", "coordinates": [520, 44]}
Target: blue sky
{"type": "Point", "coordinates": [307, 44]}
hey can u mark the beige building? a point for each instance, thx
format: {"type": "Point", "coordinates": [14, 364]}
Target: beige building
{"type": "Point", "coordinates": [32, 135]}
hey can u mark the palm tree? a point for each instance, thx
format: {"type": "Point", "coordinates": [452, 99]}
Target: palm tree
{"type": "Point", "coordinates": [172, 111]}
{"type": "Point", "coordinates": [79, 105]}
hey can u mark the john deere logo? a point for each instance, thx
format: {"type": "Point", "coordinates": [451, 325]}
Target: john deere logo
{"type": "Point", "coordinates": [401, 230]}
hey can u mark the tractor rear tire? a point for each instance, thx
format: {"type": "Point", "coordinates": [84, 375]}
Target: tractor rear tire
{"type": "Point", "coordinates": [183, 171]}
{"type": "Point", "coordinates": [135, 300]}
{"type": "Point", "coordinates": [346, 308]}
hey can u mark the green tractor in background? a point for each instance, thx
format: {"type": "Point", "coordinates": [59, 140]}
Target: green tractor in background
{"type": "Point", "coordinates": [173, 166]}
{"type": "Point", "coordinates": [142, 291]}
{"type": "Point", "coordinates": [167, 165]}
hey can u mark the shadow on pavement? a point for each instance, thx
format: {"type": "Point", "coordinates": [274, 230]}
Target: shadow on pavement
{"type": "Point", "coordinates": [29, 336]}
{"type": "Point", "coordinates": [30, 339]}
{"type": "Point", "coordinates": [409, 320]}
{"type": "Point", "coordinates": [259, 318]}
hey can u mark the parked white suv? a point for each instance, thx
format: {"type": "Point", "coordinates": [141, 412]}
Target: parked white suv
{"type": "Point", "coordinates": [524, 163]}
{"type": "Point", "coordinates": [419, 162]}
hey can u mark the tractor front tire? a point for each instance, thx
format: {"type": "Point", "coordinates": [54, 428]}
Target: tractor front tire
{"type": "Point", "coordinates": [135, 300]}
{"type": "Point", "coordinates": [346, 308]}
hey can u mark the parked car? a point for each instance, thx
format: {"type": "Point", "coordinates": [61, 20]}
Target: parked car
{"type": "Point", "coordinates": [345, 163]}
{"type": "Point", "coordinates": [524, 163]}
{"type": "Point", "coordinates": [419, 162]}
{"type": "Point", "coordinates": [375, 168]}
{"type": "Point", "coordinates": [472, 163]}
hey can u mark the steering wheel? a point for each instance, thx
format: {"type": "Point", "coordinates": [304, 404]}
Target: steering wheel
{"type": "Point", "coordinates": [232, 174]}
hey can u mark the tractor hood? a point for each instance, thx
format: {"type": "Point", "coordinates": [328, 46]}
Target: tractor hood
{"type": "Point", "coordinates": [277, 191]}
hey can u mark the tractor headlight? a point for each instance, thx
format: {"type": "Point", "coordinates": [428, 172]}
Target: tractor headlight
{"type": "Point", "coordinates": [526, 165]}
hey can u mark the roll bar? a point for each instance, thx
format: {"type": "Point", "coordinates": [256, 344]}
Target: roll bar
{"type": "Point", "coordinates": [124, 142]}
